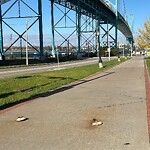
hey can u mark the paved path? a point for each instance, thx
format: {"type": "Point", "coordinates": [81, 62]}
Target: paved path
{"type": "Point", "coordinates": [62, 121]}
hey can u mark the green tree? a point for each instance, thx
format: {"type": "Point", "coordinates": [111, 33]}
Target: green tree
{"type": "Point", "coordinates": [143, 38]}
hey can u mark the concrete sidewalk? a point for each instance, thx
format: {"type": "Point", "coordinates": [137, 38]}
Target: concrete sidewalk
{"type": "Point", "coordinates": [62, 121]}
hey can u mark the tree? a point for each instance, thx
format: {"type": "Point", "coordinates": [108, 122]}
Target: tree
{"type": "Point", "coordinates": [143, 38]}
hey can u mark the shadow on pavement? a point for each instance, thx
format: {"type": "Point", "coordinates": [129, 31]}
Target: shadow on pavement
{"type": "Point", "coordinates": [55, 91]}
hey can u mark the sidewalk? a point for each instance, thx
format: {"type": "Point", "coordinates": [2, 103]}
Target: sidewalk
{"type": "Point", "coordinates": [62, 121]}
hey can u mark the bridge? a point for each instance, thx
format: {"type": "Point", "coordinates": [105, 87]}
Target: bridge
{"type": "Point", "coordinates": [95, 12]}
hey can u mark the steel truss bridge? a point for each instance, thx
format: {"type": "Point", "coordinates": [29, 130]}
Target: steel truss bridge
{"type": "Point", "coordinates": [88, 23]}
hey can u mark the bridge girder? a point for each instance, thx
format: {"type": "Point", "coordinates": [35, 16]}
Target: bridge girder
{"type": "Point", "coordinates": [37, 15]}
{"type": "Point", "coordinates": [95, 9]}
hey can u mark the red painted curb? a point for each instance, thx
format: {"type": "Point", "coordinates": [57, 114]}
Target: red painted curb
{"type": "Point", "coordinates": [12, 107]}
{"type": "Point", "coordinates": [147, 87]}
{"type": "Point", "coordinates": [55, 90]}
{"type": "Point", "coordinates": [50, 92]}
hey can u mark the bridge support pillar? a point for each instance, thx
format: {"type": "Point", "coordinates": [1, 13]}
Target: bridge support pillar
{"type": "Point", "coordinates": [79, 27]}
{"type": "Point", "coordinates": [34, 16]}
{"type": "Point", "coordinates": [110, 40]}
{"type": "Point", "coordinates": [52, 28]}
{"type": "Point", "coordinates": [40, 29]}
{"type": "Point", "coordinates": [116, 33]}
{"type": "Point", "coordinates": [116, 36]}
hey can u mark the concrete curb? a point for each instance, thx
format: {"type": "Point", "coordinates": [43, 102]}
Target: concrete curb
{"type": "Point", "coordinates": [51, 92]}
{"type": "Point", "coordinates": [147, 87]}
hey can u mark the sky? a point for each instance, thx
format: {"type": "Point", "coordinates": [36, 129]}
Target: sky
{"type": "Point", "coordinates": [140, 9]}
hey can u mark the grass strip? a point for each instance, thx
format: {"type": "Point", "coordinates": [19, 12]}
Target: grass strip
{"type": "Point", "coordinates": [22, 88]}
{"type": "Point", "coordinates": [148, 64]}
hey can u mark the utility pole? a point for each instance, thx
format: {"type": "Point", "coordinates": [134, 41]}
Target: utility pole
{"type": "Point", "coordinates": [116, 30]}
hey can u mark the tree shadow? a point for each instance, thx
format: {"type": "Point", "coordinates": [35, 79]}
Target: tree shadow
{"type": "Point", "coordinates": [61, 78]}
{"type": "Point", "coordinates": [71, 85]}
{"type": "Point", "coordinates": [7, 94]}
{"type": "Point", "coordinates": [52, 92]}
{"type": "Point", "coordinates": [23, 77]}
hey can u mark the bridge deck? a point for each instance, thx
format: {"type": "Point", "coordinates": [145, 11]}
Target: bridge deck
{"type": "Point", "coordinates": [97, 9]}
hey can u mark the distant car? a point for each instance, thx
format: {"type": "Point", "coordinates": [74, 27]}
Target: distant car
{"type": "Point", "coordinates": [147, 52]}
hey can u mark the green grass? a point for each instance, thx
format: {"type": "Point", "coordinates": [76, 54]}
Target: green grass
{"type": "Point", "coordinates": [148, 64]}
{"type": "Point", "coordinates": [22, 88]}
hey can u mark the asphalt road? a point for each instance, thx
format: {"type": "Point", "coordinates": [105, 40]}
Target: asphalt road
{"type": "Point", "coordinates": [11, 72]}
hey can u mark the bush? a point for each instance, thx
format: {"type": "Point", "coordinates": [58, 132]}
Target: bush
{"type": "Point", "coordinates": [104, 52]}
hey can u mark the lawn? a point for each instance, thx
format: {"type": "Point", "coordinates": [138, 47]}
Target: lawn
{"type": "Point", "coordinates": [148, 64]}
{"type": "Point", "coordinates": [22, 88]}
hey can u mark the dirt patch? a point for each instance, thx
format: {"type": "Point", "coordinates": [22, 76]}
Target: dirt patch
{"type": "Point", "coordinates": [100, 115]}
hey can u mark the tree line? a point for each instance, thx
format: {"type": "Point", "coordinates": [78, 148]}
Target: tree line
{"type": "Point", "coordinates": [143, 38]}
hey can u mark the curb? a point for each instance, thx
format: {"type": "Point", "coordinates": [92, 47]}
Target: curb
{"type": "Point", "coordinates": [147, 87]}
{"type": "Point", "coordinates": [57, 90]}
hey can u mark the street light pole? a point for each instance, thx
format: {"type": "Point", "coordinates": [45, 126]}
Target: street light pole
{"type": "Point", "coordinates": [131, 49]}
{"type": "Point", "coordinates": [57, 54]}
{"type": "Point", "coordinates": [108, 42]}
{"type": "Point", "coordinates": [27, 63]}
{"type": "Point", "coordinates": [123, 50]}
{"type": "Point", "coordinates": [98, 43]}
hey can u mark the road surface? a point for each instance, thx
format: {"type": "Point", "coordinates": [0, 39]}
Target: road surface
{"type": "Point", "coordinates": [62, 120]}
{"type": "Point", "coordinates": [9, 72]}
